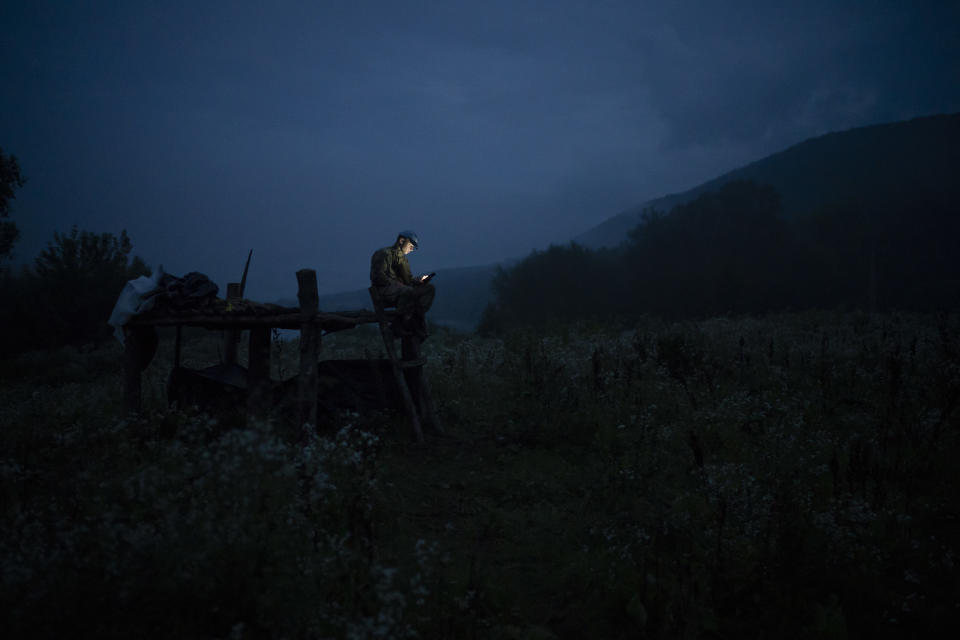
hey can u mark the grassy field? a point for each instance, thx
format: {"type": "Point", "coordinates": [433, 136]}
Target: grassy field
{"type": "Point", "coordinates": [783, 476]}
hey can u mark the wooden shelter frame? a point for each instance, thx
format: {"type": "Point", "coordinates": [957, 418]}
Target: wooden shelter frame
{"type": "Point", "coordinates": [260, 320]}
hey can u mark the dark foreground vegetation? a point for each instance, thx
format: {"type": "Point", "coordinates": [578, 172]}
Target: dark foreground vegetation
{"type": "Point", "coordinates": [786, 476]}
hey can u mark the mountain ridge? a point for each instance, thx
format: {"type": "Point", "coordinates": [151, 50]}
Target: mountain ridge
{"type": "Point", "coordinates": [803, 186]}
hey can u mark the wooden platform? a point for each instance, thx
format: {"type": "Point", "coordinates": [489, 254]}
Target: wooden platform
{"type": "Point", "coordinates": [246, 314]}
{"type": "Point", "coordinates": [233, 315]}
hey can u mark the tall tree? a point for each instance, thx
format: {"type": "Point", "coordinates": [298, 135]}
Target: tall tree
{"type": "Point", "coordinates": [726, 251]}
{"type": "Point", "coordinates": [77, 279]}
{"type": "Point", "coordinates": [10, 179]}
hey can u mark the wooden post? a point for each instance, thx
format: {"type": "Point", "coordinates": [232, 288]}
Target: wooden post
{"type": "Point", "coordinates": [410, 353]}
{"type": "Point", "coordinates": [258, 373]}
{"type": "Point", "coordinates": [231, 337]}
{"type": "Point", "coordinates": [419, 385]}
{"type": "Point", "coordinates": [309, 346]}
{"type": "Point", "coordinates": [132, 347]}
{"type": "Point", "coordinates": [398, 373]}
{"type": "Point", "coordinates": [176, 348]}
{"type": "Point", "coordinates": [426, 398]}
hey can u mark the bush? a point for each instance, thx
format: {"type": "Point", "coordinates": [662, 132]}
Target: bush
{"type": "Point", "coordinates": [66, 298]}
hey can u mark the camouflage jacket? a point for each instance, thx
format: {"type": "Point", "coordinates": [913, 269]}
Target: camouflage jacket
{"type": "Point", "coordinates": [389, 266]}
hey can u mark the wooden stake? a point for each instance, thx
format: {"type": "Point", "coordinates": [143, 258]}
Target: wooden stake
{"type": "Point", "coordinates": [231, 337]}
{"type": "Point", "coordinates": [308, 383]}
{"type": "Point", "coordinates": [246, 267]}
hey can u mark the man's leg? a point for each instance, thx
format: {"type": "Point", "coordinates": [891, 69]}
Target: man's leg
{"type": "Point", "coordinates": [425, 294]}
{"type": "Point", "coordinates": [423, 300]}
{"type": "Point", "coordinates": [398, 295]}
{"type": "Point", "coordinates": [413, 304]}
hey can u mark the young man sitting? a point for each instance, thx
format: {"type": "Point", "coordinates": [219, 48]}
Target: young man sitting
{"type": "Point", "coordinates": [390, 276]}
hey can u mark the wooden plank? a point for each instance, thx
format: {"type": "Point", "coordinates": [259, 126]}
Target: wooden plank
{"type": "Point", "coordinates": [308, 381]}
{"type": "Point", "coordinates": [328, 322]}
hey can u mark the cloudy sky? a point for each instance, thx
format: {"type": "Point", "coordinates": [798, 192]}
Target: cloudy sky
{"type": "Point", "coordinates": [313, 131]}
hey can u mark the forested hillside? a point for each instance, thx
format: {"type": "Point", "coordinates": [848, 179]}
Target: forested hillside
{"type": "Point", "coordinates": [732, 251]}
{"type": "Point", "coordinates": [902, 163]}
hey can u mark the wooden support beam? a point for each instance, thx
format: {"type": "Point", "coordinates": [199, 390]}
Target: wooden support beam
{"type": "Point", "coordinates": [328, 321]}
{"type": "Point", "coordinates": [176, 347]}
{"type": "Point", "coordinates": [433, 419]}
{"type": "Point", "coordinates": [398, 372]}
{"type": "Point", "coordinates": [416, 373]}
{"type": "Point", "coordinates": [308, 381]}
{"type": "Point", "coordinates": [231, 338]}
{"type": "Point", "coordinates": [258, 373]}
{"type": "Point", "coordinates": [132, 356]}
{"type": "Point", "coordinates": [402, 380]}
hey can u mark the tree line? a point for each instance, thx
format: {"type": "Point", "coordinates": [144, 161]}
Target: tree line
{"type": "Point", "coordinates": [66, 295]}
{"type": "Point", "coordinates": [731, 251]}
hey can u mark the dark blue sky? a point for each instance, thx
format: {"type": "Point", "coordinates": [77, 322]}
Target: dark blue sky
{"type": "Point", "coordinates": [313, 131]}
